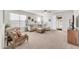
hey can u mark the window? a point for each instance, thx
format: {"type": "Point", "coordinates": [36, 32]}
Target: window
{"type": "Point", "coordinates": [14, 20]}
{"type": "Point", "coordinates": [14, 16]}
{"type": "Point", "coordinates": [22, 20]}
{"type": "Point", "coordinates": [17, 20]}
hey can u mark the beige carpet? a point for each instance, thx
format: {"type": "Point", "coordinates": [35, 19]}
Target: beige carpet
{"type": "Point", "coordinates": [47, 40]}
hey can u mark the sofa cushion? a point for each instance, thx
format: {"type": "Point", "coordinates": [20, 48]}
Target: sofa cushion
{"type": "Point", "coordinates": [18, 33]}
{"type": "Point", "coordinates": [14, 35]}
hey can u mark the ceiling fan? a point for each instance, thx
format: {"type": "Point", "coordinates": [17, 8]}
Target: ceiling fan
{"type": "Point", "coordinates": [47, 11]}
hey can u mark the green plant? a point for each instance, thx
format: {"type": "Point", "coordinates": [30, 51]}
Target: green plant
{"type": "Point", "coordinates": [7, 25]}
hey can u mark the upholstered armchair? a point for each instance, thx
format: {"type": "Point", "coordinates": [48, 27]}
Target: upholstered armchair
{"type": "Point", "coordinates": [40, 29]}
{"type": "Point", "coordinates": [15, 37]}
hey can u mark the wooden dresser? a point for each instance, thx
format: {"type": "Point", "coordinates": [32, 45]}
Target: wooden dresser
{"type": "Point", "coordinates": [73, 37]}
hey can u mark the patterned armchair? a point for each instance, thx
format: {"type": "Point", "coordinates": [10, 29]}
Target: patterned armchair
{"type": "Point", "coordinates": [16, 37]}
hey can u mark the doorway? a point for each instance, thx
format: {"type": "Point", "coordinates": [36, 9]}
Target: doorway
{"type": "Point", "coordinates": [59, 21]}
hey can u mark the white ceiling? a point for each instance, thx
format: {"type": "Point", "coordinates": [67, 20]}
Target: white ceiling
{"type": "Point", "coordinates": [42, 12]}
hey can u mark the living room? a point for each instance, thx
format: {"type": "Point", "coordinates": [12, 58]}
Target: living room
{"type": "Point", "coordinates": [41, 29]}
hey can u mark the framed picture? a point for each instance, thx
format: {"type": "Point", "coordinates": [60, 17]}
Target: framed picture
{"type": "Point", "coordinates": [32, 19]}
{"type": "Point", "coordinates": [59, 17]}
{"type": "Point", "coordinates": [29, 17]}
{"type": "Point", "coordinates": [49, 20]}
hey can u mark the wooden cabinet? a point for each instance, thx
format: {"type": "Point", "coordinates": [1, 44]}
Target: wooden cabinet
{"type": "Point", "coordinates": [73, 37]}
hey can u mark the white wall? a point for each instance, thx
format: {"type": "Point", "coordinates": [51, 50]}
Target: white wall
{"type": "Point", "coordinates": [1, 30]}
{"type": "Point", "coordinates": [53, 22]}
{"type": "Point", "coordinates": [65, 17]}
{"type": "Point", "coordinates": [45, 19]}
